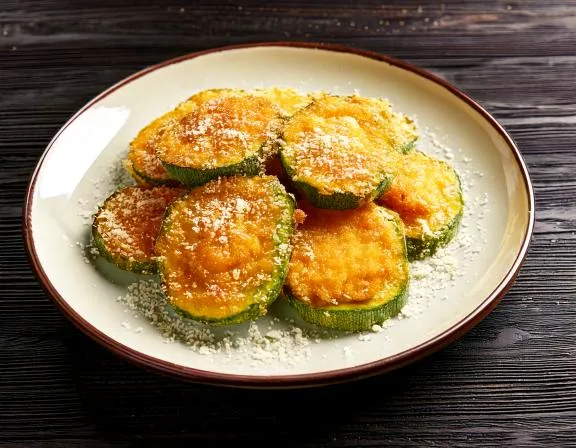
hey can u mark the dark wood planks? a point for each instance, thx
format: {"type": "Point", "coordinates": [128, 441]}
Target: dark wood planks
{"type": "Point", "coordinates": [509, 382]}
{"type": "Point", "coordinates": [455, 28]}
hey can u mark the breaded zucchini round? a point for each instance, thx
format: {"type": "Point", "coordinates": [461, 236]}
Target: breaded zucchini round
{"type": "Point", "coordinates": [427, 195]}
{"type": "Point", "coordinates": [349, 269]}
{"type": "Point", "coordinates": [222, 137]}
{"type": "Point", "coordinates": [142, 162]}
{"type": "Point", "coordinates": [339, 150]}
{"type": "Point", "coordinates": [127, 224]}
{"type": "Point", "coordinates": [223, 249]}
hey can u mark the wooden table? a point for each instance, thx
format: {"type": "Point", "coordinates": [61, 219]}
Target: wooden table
{"type": "Point", "coordinates": [509, 382]}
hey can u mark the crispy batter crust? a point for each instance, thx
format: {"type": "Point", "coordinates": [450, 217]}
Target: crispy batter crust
{"type": "Point", "coordinates": [342, 144]}
{"type": "Point", "coordinates": [425, 193]}
{"type": "Point", "coordinates": [220, 132]}
{"type": "Point", "coordinates": [129, 221]}
{"type": "Point", "coordinates": [344, 257]}
{"type": "Point", "coordinates": [142, 154]}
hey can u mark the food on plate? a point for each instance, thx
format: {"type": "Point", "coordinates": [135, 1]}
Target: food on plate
{"type": "Point", "coordinates": [222, 137]}
{"type": "Point", "coordinates": [349, 269]}
{"type": "Point", "coordinates": [427, 195]}
{"type": "Point", "coordinates": [142, 162]}
{"type": "Point", "coordinates": [339, 150]}
{"type": "Point", "coordinates": [224, 247]}
{"type": "Point", "coordinates": [229, 240]}
{"type": "Point", "coordinates": [127, 223]}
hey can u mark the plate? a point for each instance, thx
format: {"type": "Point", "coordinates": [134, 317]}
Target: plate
{"type": "Point", "coordinates": [449, 294]}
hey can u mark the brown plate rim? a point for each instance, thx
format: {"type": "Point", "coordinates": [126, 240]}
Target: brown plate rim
{"type": "Point", "coordinates": [301, 380]}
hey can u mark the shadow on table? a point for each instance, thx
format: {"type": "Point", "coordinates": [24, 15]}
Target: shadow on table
{"type": "Point", "coordinates": [126, 403]}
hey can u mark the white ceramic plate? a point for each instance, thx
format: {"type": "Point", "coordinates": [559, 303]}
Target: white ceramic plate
{"type": "Point", "coordinates": [449, 294]}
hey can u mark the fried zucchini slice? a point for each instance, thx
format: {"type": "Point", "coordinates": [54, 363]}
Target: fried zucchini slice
{"type": "Point", "coordinates": [222, 137]}
{"type": "Point", "coordinates": [427, 195]}
{"type": "Point", "coordinates": [127, 223]}
{"type": "Point", "coordinates": [223, 249]}
{"type": "Point", "coordinates": [142, 162]}
{"type": "Point", "coordinates": [338, 150]}
{"type": "Point", "coordinates": [349, 269]}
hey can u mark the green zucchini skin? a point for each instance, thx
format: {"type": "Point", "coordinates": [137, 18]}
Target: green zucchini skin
{"type": "Point", "coordinates": [147, 267]}
{"type": "Point", "coordinates": [248, 161]}
{"type": "Point", "coordinates": [267, 293]}
{"type": "Point", "coordinates": [158, 127]}
{"type": "Point", "coordinates": [143, 267]}
{"type": "Point", "coordinates": [253, 312]}
{"type": "Point", "coordinates": [349, 318]}
{"type": "Point", "coordinates": [345, 201]}
{"type": "Point", "coordinates": [428, 245]}
{"type": "Point", "coordinates": [341, 200]}
{"type": "Point", "coordinates": [334, 201]}
{"type": "Point", "coordinates": [140, 260]}
{"type": "Point", "coordinates": [144, 179]}
{"type": "Point", "coordinates": [251, 166]}
{"type": "Point", "coordinates": [425, 243]}
{"type": "Point", "coordinates": [408, 146]}
{"type": "Point", "coordinates": [354, 317]}
{"type": "Point", "coordinates": [411, 144]}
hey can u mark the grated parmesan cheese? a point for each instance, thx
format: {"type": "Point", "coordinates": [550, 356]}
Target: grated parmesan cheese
{"type": "Point", "coordinates": [287, 345]}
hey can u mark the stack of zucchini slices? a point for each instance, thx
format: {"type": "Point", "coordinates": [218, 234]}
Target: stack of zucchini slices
{"type": "Point", "coordinates": [244, 197]}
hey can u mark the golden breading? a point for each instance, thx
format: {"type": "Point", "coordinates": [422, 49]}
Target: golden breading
{"type": "Point", "coordinates": [425, 193]}
{"type": "Point", "coordinates": [350, 256]}
{"type": "Point", "coordinates": [221, 243]}
{"type": "Point", "coordinates": [142, 162]}
{"type": "Point", "coordinates": [220, 132]}
{"type": "Point", "coordinates": [128, 223]}
{"type": "Point", "coordinates": [342, 144]}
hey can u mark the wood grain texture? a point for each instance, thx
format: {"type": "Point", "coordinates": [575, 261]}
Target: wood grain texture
{"type": "Point", "coordinates": [509, 382]}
